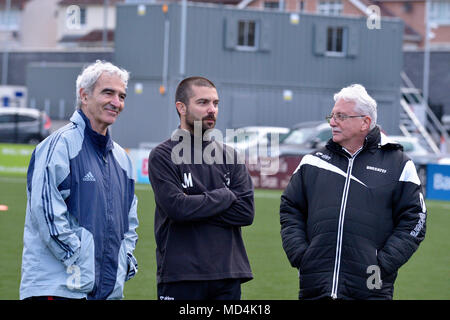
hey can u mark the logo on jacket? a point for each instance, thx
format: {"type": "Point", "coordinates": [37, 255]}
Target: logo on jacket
{"type": "Point", "coordinates": [376, 169]}
{"type": "Point", "coordinates": [89, 177]}
{"type": "Point", "coordinates": [187, 180]}
{"type": "Point", "coordinates": [323, 156]}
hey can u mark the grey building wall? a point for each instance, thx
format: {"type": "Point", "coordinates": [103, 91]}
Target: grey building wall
{"type": "Point", "coordinates": [52, 86]}
{"type": "Point", "coordinates": [50, 77]}
{"type": "Point", "coordinates": [251, 83]}
{"type": "Point", "coordinates": [19, 60]}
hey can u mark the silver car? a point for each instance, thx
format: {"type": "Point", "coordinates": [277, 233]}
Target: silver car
{"type": "Point", "coordinates": [23, 125]}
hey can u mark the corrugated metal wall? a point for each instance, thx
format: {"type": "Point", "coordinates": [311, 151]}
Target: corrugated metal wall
{"type": "Point", "coordinates": [251, 83]}
{"type": "Point", "coordinates": [52, 87]}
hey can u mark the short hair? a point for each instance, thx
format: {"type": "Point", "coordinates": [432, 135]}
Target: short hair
{"type": "Point", "coordinates": [364, 103]}
{"type": "Point", "coordinates": [89, 76]}
{"type": "Point", "coordinates": [184, 89]}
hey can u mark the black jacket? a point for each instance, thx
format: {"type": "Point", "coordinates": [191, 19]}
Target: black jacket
{"type": "Point", "coordinates": [200, 209]}
{"type": "Point", "coordinates": [347, 221]}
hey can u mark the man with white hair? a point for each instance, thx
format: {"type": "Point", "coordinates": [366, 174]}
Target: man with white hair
{"type": "Point", "coordinates": [353, 212]}
{"type": "Point", "coordinates": [81, 217]}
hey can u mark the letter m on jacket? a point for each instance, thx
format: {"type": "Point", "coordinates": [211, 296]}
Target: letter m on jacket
{"type": "Point", "coordinates": [187, 180]}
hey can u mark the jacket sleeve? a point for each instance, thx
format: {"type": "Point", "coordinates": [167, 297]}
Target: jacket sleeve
{"type": "Point", "coordinates": [409, 215]}
{"type": "Point", "coordinates": [169, 195]}
{"type": "Point", "coordinates": [293, 214]}
{"type": "Point", "coordinates": [47, 208]}
{"type": "Point", "coordinates": [241, 212]}
{"type": "Point", "coordinates": [131, 239]}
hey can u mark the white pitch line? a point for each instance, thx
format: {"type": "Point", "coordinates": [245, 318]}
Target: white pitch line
{"type": "Point", "coordinates": [13, 179]}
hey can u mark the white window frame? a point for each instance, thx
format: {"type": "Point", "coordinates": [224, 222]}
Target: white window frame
{"type": "Point", "coordinates": [440, 12]}
{"type": "Point", "coordinates": [335, 53]}
{"type": "Point", "coordinates": [13, 22]}
{"type": "Point", "coordinates": [83, 12]}
{"type": "Point", "coordinates": [330, 7]}
{"type": "Point", "coordinates": [245, 46]}
{"type": "Point", "coordinates": [274, 5]}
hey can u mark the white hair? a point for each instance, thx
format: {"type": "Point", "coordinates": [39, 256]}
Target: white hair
{"type": "Point", "coordinates": [364, 103]}
{"type": "Point", "coordinates": [88, 78]}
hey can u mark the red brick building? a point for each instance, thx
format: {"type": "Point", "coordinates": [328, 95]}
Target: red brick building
{"type": "Point", "coordinates": [412, 12]}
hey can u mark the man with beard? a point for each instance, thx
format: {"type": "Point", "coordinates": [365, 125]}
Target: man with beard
{"type": "Point", "coordinates": [200, 205]}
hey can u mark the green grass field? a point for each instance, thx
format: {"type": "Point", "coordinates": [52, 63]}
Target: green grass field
{"type": "Point", "coordinates": [425, 276]}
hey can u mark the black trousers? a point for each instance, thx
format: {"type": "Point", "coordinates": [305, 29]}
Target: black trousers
{"type": "Point", "coordinates": [225, 289]}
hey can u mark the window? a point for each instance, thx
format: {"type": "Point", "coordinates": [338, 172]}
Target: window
{"type": "Point", "coordinates": [330, 7]}
{"type": "Point", "coordinates": [247, 35]}
{"type": "Point", "coordinates": [11, 21]}
{"type": "Point", "coordinates": [6, 118]}
{"type": "Point", "coordinates": [336, 41]}
{"type": "Point", "coordinates": [271, 5]}
{"type": "Point", "coordinates": [76, 17]}
{"type": "Point", "coordinates": [23, 118]}
{"type": "Point", "coordinates": [301, 6]}
{"type": "Point", "coordinates": [82, 16]}
{"type": "Point", "coordinates": [407, 7]}
{"type": "Point", "coordinates": [440, 12]}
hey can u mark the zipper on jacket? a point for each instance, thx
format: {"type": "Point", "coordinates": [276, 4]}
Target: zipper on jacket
{"type": "Point", "coordinates": [337, 261]}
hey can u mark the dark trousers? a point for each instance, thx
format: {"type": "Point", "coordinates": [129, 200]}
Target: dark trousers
{"type": "Point", "coordinates": [225, 289]}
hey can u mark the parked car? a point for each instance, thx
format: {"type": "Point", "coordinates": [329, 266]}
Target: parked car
{"type": "Point", "coordinates": [420, 156]}
{"type": "Point", "coordinates": [418, 153]}
{"type": "Point", "coordinates": [305, 137]}
{"type": "Point", "coordinates": [275, 170]}
{"type": "Point", "coordinates": [248, 137]}
{"type": "Point", "coordinates": [23, 125]}
{"type": "Point", "coordinates": [411, 145]}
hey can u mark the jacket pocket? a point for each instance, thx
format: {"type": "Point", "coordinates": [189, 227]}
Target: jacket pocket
{"type": "Point", "coordinates": [305, 258]}
{"type": "Point", "coordinates": [82, 272]}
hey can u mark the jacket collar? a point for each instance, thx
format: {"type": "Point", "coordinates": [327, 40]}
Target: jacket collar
{"type": "Point", "coordinates": [104, 143]}
{"type": "Point", "coordinates": [375, 139]}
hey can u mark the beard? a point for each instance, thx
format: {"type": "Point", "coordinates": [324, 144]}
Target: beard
{"type": "Point", "coordinates": [207, 122]}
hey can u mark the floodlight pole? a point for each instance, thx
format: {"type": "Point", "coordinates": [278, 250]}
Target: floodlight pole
{"type": "Point", "coordinates": [105, 23]}
{"type": "Point", "coordinates": [183, 38]}
{"type": "Point", "coordinates": [426, 54]}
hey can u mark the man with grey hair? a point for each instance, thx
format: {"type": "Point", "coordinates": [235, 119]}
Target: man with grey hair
{"type": "Point", "coordinates": [81, 216]}
{"type": "Point", "coordinates": [353, 212]}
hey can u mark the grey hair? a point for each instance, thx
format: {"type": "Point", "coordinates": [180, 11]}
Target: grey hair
{"type": "Point", "coordinates": [364, 103]}
{"type": "Point", "coordinates": [88, 78]}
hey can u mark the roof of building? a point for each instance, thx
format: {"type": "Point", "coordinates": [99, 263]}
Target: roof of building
{"type": "Point", "coordinates": [97, 35]}
{"type": "Point", "coordinates": [92, 36]}
{"type": "Point", "coordinates": [410, 33]}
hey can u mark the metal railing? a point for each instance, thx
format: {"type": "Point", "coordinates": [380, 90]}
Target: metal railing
{"type": "Point", "coordinates": [426, 127]}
